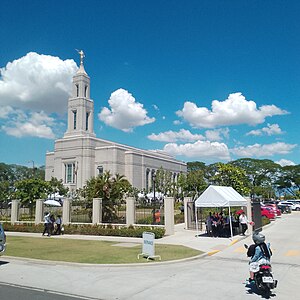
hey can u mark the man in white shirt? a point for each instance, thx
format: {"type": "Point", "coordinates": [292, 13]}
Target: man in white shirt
{"type": "Point", "coordinates": [244, 222]}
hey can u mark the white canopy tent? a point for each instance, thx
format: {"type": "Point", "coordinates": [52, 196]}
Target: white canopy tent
{"type": "Point", "coordinates": [219, 196]}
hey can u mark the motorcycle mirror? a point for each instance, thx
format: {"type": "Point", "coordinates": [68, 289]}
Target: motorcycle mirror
{"type": "Point", "coordinates": [246, 246]}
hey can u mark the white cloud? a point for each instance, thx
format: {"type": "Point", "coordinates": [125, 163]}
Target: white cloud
{"type": "Point", "coordinates": [155, 107]}
{"type": "Point", "coordinates": [177, 122]}
{"type": "Point", "coordinates": [271, 129]}
{"type": "Point", "coordinates": [217, 134]}
{"type": "Point", "coordinates": [124, 113]}
{"type": "Point", "coordinates": [5, 111]}
{"type": "Point", "coordinates": [199, 150]}
{"type": "Point", "coordinates": [37, 82]}
{"type": "Point", "coordinates": [234, 110]}
{"type": "Point", "coordinates": [259, 150]}
{"type": "Point", "coordinates": [285, 162]}
{"type": "Point", "coordinates": [173, 136]}
{"type": "Point", "coordinates": [31, 124]}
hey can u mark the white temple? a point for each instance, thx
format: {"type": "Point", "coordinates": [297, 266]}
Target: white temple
{"type": "Point", "coordinates": [80, 155]}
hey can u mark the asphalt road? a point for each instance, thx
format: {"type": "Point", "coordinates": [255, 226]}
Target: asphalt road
{"type": "Point", "coordinates": [213, 277]}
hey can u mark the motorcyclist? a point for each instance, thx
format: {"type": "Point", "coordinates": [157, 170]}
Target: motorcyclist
{"type": "Point", "coordinates": [260, 253]}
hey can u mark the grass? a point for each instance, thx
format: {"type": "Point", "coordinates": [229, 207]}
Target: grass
{"type": "Point", "coordinates": [85, 251]}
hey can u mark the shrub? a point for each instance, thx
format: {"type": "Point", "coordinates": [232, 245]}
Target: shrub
{"type": "Point", "coordinates": [101, 230]}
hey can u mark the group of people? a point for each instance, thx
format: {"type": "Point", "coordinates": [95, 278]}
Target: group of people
{"type": "Point", "coordinates": [52, 225]}
{"type": "Point", "coordinates": [217, 224]}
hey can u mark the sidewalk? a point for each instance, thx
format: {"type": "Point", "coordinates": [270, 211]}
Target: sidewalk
{"type": "Point", "coordinates": [183, 237]}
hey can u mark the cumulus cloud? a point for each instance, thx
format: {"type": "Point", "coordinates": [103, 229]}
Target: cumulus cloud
{"type": "Point", "coordinates": [259, 150]}
{"type": "Point", "coordinates": [34, 124]}
{"type": "Point", "coordinates": [234, 110]}
{"type": "Point", "coordinates": [124, 113]}
{"type": "Point", "coordinates": [37, 82]}
{"type": "Point", "coordinates": [173, 136]}
{"type": "Point", "coordinates": [271, 129]}
{"type": "Point", "coordinates": [285, 162]}
{"type": "Point", "coordinates": [199, 149]}
{"type": "Point", "coordinates": [217, 134]}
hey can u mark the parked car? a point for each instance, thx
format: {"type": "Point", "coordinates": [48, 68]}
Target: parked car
{"type": "Point", "coordinates": [285, 207]}
{"type": "Point", "coordinates": [2, 240]}
{"type": "Point", "coordinates": [294, 205]}
{"type": "Point", "coordinates": [267, 212]}
{"type": "Point", "coordinates": [274, 208]}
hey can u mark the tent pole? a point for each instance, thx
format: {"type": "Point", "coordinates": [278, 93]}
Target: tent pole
{"type": "Point", "coordinates": [230, 222]}
{"type": "Point", "coordinates": [196, 216]}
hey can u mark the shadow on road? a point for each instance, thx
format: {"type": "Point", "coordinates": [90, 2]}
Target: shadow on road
{"type": "Point", "coordinates": [3, 263]}
{"type": "Point", "coordinates": [252, 289]}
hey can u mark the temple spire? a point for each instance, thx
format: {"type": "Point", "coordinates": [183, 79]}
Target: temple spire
{"type": "Point", "coordinates": [82, 56]}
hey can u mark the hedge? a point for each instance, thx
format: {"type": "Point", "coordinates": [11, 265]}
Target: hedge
{"type": "Point", "coordinates": [101, 230]}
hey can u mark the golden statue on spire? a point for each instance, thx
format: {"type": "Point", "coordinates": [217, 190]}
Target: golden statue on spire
{"type": "Point", "coordinates": [82, 56]}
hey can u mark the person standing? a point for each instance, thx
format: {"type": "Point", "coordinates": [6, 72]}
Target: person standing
{"type": "Point", "coordinates": [157, 216]}
{"type": "Point", "coordinates": [244, 222]}
{"type": "Point", "coordinates": [47, 224]}
{"type": "Point", "coordinates": [58, 223]}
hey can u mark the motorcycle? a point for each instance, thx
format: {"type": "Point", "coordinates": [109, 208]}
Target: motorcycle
{"type": "Point", "coordinates": [263, 277]}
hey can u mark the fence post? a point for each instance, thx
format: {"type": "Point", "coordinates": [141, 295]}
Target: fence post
{"type": "Point", "coordinates": [169, 215]}
{"type": "Point", "coordinates": [14, 211]}
{"type": "Point", "coordinates": [39, 207]}
{"type": "Point", "coordinates": [186, 200]}
{"type": "Point", "coordinates": [97, 210]}
{"type": "Point", "coordinates": [249, 215]}
{"type": "Point", "coordinates": [66, 215]}
{"type": "Point", "coordinates": [130, 211]}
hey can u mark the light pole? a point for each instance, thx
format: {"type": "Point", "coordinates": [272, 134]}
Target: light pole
{"type": "Point", "coordinates": [33, 169]}
{"type": "Point", "coordinates": [154, 199]}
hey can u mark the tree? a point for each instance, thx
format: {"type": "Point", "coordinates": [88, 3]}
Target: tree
{"type": "Point", "coordinates": [289, 180]}
{"type": "Point", "coordinates": [262, 174]}
{"type": "Point", "coordinates": [56, 186]}
{"type": "Point", "coordinates": [195, 166]}
{"type": "Point", "coordinates": [164, 182]}
{"type": "Point", "coordinates": [229, 175]}
{"type": "Point", "coordinates": [196, 183]}
{"type": "Point", "coordinates": [111, 189]}
{"type": "Point", "coordinates": [29, 190]}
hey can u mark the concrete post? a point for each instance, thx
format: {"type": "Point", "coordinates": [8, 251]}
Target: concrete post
{"type": "Point", "coordinates": [169, 215]}
{"type": "Point", "coordinates": [97, 210]}
{"type": "Point", "coordinates": [130, 211]}
{"type": "Point", "coordinates": [39, 209]}
{"type": "Point", "coordinates": [186, 200]}
{"type": "Point", "coordinates": [66, 215]}
{"type": "Point", "coordinates": [14, 211]}
{"type": "Point", "coordinates": [249, 215]}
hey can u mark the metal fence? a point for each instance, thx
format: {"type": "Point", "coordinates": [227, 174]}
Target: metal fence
{"type": "Point", "coordinates": [149, 213]}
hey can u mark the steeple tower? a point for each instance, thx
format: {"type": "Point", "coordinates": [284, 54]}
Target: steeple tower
{"type": "Point", "coordinates": [80, 106]}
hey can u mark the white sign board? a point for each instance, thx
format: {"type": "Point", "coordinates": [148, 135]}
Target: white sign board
{"type": "Point", "coordinates": [148, 243]}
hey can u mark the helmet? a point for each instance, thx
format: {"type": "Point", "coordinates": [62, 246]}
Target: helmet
{"type": "Point", "coordinates": [258, 238]}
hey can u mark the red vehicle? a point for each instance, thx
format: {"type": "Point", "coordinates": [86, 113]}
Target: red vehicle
{"type": "Point", "coordinates": [274, 208]}
{"type": "Point", "coordinates": [267, 212]}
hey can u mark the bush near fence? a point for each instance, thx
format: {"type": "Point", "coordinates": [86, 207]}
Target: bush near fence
{"type": "Point", "coordinates": [101, 230]}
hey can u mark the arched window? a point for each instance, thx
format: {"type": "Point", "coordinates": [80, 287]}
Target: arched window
{"type": "Point", "coordinates": [87, 121]}
{"type": "Point", "coordinates": [74, 119]}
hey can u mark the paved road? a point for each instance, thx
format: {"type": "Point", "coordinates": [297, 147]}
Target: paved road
{"type": "Point", "coordinates": [219, 276]}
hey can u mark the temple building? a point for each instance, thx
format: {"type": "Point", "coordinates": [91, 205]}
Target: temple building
{"type": "Point", "coordinates": [79, 155]}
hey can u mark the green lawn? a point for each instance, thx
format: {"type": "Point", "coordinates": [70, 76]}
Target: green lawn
{"type": "Point", "coordinates": [84, 251]}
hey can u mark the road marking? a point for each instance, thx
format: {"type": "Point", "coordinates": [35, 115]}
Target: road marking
{"type": "Point", "coordinates": [210, 253]}
{"type": "Point", "coordinates": [293, 253]}
{"type": "Point", "coordinates": [233, 242]}
{"type": "Point", "coordinates": [240, 250]}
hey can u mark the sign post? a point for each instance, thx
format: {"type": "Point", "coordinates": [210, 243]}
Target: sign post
{"type": "Point", "coordinates": [148, 246]}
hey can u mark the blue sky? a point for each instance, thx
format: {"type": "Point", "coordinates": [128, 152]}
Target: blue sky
{"type": "Point", "coordinates": [203, 80]}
